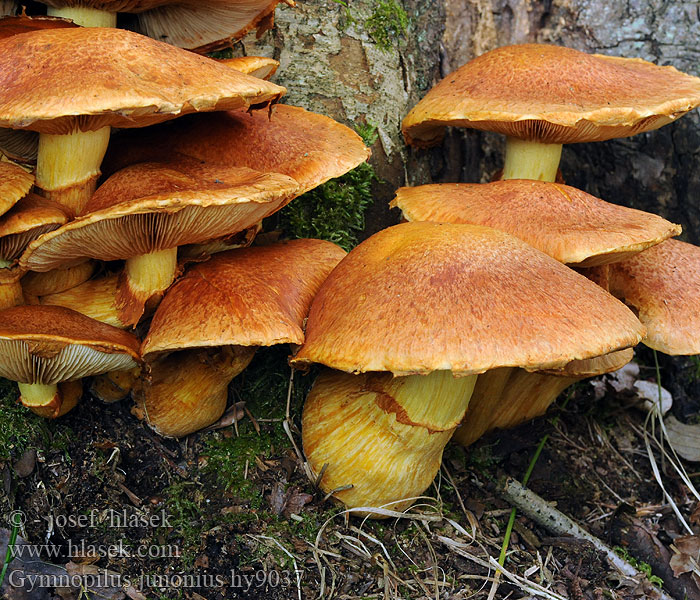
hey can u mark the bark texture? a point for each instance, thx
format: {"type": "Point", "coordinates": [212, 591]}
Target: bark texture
{"type": "Point", "coordinates": [332, 64]}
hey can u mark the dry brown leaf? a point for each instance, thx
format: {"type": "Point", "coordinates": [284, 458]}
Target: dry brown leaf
{"type": "Point", "coordinates": [684, 438]}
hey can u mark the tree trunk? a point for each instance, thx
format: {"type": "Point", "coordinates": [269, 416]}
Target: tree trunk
{"type": "Point", "coordinates": [331, 63]}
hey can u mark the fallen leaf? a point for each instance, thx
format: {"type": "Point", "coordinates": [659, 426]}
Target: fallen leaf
{"type": "Point", "coordinates": [684, 438]}
{"type": "Point", "coordinates": [686, 554]}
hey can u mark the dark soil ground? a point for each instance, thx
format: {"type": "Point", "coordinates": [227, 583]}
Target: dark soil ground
{"type": "Point", "coordinates": [231, 513]}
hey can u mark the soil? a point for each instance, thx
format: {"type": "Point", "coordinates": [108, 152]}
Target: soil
{"type": "Point", "coordinates": [231, 513]}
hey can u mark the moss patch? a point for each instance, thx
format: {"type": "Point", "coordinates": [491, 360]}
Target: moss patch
{"type": "Point", "coordinates": [20, 429]}
{"type": "Point", "coordinates": [334, 211]}
{"type": "Point", "coordinates": [387, 24]}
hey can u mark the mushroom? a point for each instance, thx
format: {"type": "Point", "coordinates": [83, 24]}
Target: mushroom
{"type": "Point", "coordinates": [209, 325]}
{"type": "Point", "coordinates": [144, 212]}
{"type": "Point", "coordinates": [567, 224]}
{"type": "Point", "coordinates": [57, 281]}
{"type": "Point", "coordinates": [95, 298]}
{"type": "Point", "coordinates": [542, 96]}
{"type": "Point", "coordinates": [201, 25]}
{"type": "Point", "coordinates": [433, 305]}
{"type": "Point", "coordinates": [106, 78]}
{"type": "Point", "coordinates": [15, 184]}
{"type": "Point", "coordinates": [23, 223]}
{"type": "Point", "coordinates": [44, 346]}
{"type": "Point", "coordinates": [257, 66]}
{"type": "Point", "coordinates": [662, 284]}
{"type": "Point", "coordinates": [306, 146]}
{"type": "Point", "coordinates": [507, 397]}
{"type": "Point", "coordinates": [7, 7]}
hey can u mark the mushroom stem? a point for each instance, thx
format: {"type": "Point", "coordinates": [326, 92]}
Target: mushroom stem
{"type": "Point", "coordinates": [507, 397]}
{"type": "Point", "coordinates": [68, 166]}
{"type": "Point", "coordinates": [85, 17]}
{"type": "Point", "coordinates": [187, 391]}
{"type": "Point", "coordinates": [383, 435]}
{"type": "Point", "coordinates": [531, 160]}
{"type": "Point", "coordinates": [144, 280]}
{"type": "Point", "coordinates": [37, 396]}
{"type": "Point", "coordinates": [10, 288]}
{"type": "Point", "coordinates": [95, 298]}
{"type": "Point", "coordinates": [51, 401]}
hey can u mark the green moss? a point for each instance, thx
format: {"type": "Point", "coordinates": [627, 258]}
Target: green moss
{"type": "Point", "coordinates": [334, 211]}
{"type": "Point", "coordinates": [387, 24]}
{"type": "Point", "coordinates": [639, 565]}
{"type": "Point", "coordinates": [219, 54]}
{"type": "Point", "coordinates": [21, 429]}
{"type": "Point", "coordinates": [185, 516]}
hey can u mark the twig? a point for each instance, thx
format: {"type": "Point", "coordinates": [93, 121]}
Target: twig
{"type": "Point", "coordinates": [537, 509]}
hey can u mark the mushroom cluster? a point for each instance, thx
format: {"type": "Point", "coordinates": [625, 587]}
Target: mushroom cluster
{"type": "Point", "coordinates": [470, 324]}
{"type": "Point", "coordinates": [168, 231]}
{"type": "Point", "coordinates": [625, 251]}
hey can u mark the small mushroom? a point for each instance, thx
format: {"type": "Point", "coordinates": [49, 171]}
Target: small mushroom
{"type": "Point", "coordinates": [306, 146]}
{"type": "Point", "coordinates": [44, 346]}
{"type": "Point", "coordinates": [662, 284]}
{"type": "Point", "coordinates": [15, 184]}
{"type": "Point", "coordinates": [23, 223]}
{"type": "Point", "coordinates": [542, 96]}
{"type": "Point", "coordinates": [200, 25]}
{"type": "Point", "coordinates": [106, 78]}
{"type": "Point", "coordinates": [567, 224]}
{"type": "Point", "coordinates": [57, 281]}
{"type": "Point", "coordinates": [144, 212]}
{"type": "Point", "coordinates": [210, 323]}
{"type": "Point", "coordinates": [257, 66]}
{"type": "Point", "coordinates": [433, 305]}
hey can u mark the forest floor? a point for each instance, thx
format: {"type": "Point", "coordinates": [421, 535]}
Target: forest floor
{"type": "Point", "coordinates": [231, 514]}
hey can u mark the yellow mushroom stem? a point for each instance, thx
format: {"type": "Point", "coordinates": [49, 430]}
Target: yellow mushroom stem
{"type": "Point", "coordinates": [531, 160]}
{"type": "Point", "coordinates": [376, 440]}
{"type": "Point", "coordinates": [188, 390]}
{"type": "Point", "coordinates": [95, 298]}
{"type": "Point", "coordinates": [115, 385]}
{"type": "Point", "coordinates": [50, 401]}
{"type": "Point", "coordinates": [85, 17]}
{"type": "Point", "coordinates": [143, 282]}
{"type": "Point", "coordinates": [68, 166]}
{"type": "Point", "coordinates": [10, 287]}
{"type": "Point", "coordinates": [507, 397]}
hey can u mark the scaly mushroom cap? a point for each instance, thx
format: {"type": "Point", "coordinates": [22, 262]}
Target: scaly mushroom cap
{"type": "Point", "coordinates": [559, 220]}
{"type": "Point", "coordinates": [112, 77]}
{"type": "Point", "coordinates": [150, 207]}
{"type": "Point", "coordinates": [31, 217]}
{"type": "Point", "coordinates": [554, 95]}
{"type": "Point", "coordinates": [420, 297]}
{"type": "Point", "coordinates": [50, 344]}
{"type": "Point", "coordinates": [309, 147]}
{"type": "Point", "coordinates": [663, 285]}
{"type": "Point", "coordinates": [15, 183]}
{"type": "Point", "coordinates": [13, 25]}
{"type": "Point", "coordinates": [255, 296]}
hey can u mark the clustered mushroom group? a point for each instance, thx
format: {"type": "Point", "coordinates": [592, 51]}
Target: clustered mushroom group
{"type": "Point", "coordinates": [128, 247]}
{"type": "Point", "coordinates": [463, 328]}
{"type": "Point", "coordinates": [137, 267]}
